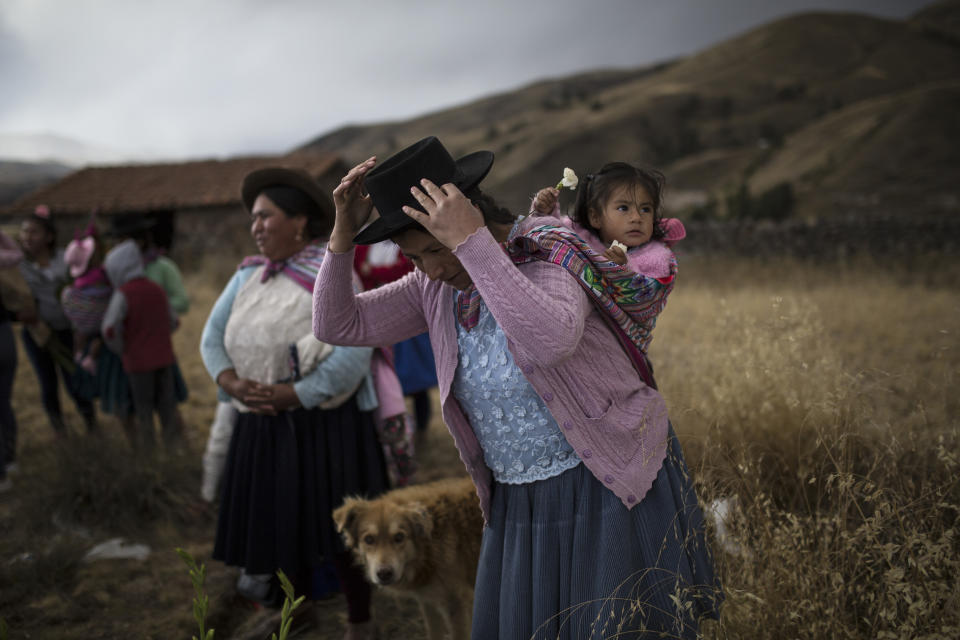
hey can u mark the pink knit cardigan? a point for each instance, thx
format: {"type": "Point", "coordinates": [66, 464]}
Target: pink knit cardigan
{"type": "Point", "coordinates": [616, 424]}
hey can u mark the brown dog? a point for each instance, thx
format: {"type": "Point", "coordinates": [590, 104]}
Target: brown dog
{"type": "Point", "coordinates": [422, 542]}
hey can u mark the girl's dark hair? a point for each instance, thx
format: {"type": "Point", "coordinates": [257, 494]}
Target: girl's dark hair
{"type": "Point", "coordinates": [596, 188]}
{"type": "Point", "coordinates": [492, 212]}
{"type": "Point", "coordinates": [294, 202]}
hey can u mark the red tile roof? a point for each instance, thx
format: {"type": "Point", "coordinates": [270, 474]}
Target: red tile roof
{"type": "Point", "coordinates": [151, 187]}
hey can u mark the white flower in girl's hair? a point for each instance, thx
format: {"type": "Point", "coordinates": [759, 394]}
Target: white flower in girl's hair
{"type": "Point", "coordinates": [569, 180]}
{"type": "Point", "coordinates": [618, 245]}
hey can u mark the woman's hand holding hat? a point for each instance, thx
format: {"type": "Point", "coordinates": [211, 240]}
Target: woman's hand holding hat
{"type": "Point", "coordinates": [353, 207]}
{"type": "Point", "coordinates": [450, 217]}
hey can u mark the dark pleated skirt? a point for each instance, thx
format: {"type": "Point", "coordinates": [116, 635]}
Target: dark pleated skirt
{"type": "Point", "coordinates": [109, 383]}
{"type": "Point", "coordinates": [180, 391]}
{"type": "Point", "coordinates": [284, 475]}
{"type": "Point", "coordinates": [564, 558]}
{"type": "Point", "coordinates": [113, 386]}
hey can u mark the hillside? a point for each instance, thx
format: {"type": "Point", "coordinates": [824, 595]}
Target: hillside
{"type": "Point", "coordinates": [20, 178]}
{"type": "Point", "coordinates": [850, 110]}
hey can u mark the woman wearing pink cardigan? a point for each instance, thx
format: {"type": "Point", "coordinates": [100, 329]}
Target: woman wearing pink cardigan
{"type": "Point", "coordinates": [592, 523]}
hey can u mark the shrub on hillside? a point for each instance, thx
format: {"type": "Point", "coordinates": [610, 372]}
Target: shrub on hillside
{"type": "Point", "coordinates": [775, 203]}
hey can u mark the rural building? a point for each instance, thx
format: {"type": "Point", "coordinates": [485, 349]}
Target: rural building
{"type": "Point", "coordinates": [196, 205]}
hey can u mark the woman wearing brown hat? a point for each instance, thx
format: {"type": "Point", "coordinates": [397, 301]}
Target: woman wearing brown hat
{"type": "Point", "coordinates": [305, 436]}
{"type": "Point", "coordinates": [592, 523]}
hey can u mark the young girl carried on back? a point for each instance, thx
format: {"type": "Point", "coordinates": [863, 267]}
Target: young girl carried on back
{"type": "Point", "coordinates": [618, 213]}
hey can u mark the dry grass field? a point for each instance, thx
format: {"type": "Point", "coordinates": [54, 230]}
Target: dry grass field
{"type": "Point", "coordinates": [820, 400]}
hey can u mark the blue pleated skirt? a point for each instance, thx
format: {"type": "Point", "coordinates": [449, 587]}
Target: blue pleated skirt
{"type": "Point", "coordinates": [113, 385]}
{"type": "Point", "coordinates": [110, 384]}
{"type": "Point", "coordinates": [416, 368]}
{"type": "Point", "coordinates": [564, 558]}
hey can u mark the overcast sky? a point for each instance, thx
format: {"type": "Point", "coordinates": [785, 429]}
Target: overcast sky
{"type": "Point", "coordinates": [212, 78]}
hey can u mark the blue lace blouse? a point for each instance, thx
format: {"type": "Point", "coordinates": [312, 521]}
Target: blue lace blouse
{"type": "Point", "coordinates": [521, 441]}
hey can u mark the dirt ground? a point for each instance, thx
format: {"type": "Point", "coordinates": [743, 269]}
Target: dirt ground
{"type": "Point", "coordinates": [73, 494]}
{"type": "Point", "coordinates": [47, 590]}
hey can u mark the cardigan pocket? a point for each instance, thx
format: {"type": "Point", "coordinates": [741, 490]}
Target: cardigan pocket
{"type": "Point", "coordinates": [618, 434]}
{"type": "Point", "coordinates": [575, 392]}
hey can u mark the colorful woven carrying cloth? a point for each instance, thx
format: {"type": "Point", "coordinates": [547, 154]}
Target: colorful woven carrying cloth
{"type": "Point", "coordinates": [629, 302]}
{"type": "Point", "coordinates": [86, 301]}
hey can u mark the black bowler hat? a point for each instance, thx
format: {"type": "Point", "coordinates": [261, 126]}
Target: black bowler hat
{"type": "Point", "coordinates": [389, 183]}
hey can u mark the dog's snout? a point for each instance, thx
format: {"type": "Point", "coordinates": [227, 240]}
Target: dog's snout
{"type": "Point", "coordinates": [385, 575]}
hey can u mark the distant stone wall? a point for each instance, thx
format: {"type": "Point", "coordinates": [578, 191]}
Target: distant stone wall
{"type": "Point", "coordinates": [198, 233]}
{"type": "Point", "coordinates": [202, 234]}
{"type": "Point", "coordinates": [838, 237]}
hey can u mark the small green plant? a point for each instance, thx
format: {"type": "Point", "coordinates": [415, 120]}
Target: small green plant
{"type": "Point", "coordinates": [3, 629]}
{"type": "Point", "coordinates": [201, 602]}
{"type": "Point", "coordinates": [289, 605]}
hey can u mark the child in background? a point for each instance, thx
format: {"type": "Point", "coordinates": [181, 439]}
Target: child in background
{"type": "Point", "coordinates": [137, 324]}
{"type": "Point", "coordinates": [618, 213]}
{"type": "Point", "coordinates": [162, 270]}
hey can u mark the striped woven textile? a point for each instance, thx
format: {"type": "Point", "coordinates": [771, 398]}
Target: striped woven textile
{"type": "Point", "coordinates": [630, 300]}
{"type": "Point", "coordinates": [301, 267]}
{"type": "Point", "coordinates": [84, 306]}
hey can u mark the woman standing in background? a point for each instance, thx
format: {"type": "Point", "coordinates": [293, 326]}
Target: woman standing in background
{"type": "Point", "coordinates": [305, 437]}
{"type": "Point", "coordinates": [45, 272]}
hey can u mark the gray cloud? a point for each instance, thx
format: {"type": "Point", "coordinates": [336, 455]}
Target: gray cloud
{"type": "Point", "coordinates": [183, 78]}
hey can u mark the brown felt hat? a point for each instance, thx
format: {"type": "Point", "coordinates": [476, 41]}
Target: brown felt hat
{"type": "Point", "coordinates": [260, 179]}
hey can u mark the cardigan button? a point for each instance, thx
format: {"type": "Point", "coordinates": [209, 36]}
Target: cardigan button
{"type": "Point", "coordinates": [587, 453]}
{"type": "Point", "coordinates": [528, 368]}
{"type": "Point", "coordinates": [547, 396]}
{"type": "Point", "coordinates": [567, 425]}
{"type": "Point", "coordinates": [608, 479]}
{"type": "Point", "coordinates": [631, 498]}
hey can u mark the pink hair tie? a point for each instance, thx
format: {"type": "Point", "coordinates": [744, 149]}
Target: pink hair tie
{"type": "Point", "coordinates": [42, 211]}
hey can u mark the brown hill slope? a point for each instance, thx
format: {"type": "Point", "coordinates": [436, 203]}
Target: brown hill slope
{"type": "Point", "coordinates": [897, 150]}
{"type": "Point", "coordinates": [19, 178]}
{"type": "Point", "coordinates": [816, 100]}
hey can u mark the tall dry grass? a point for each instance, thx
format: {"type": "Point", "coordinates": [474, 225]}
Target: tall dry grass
{"type": "Point", "coordinates": [822, 397]}
{"type": "Point", "coordinates": [823, 402]}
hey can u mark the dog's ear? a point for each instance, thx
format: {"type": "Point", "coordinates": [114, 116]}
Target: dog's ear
{"type": "Point", "coordinates": [419, 519]}
{"type": "Point", "coordinates": [346, 517]}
